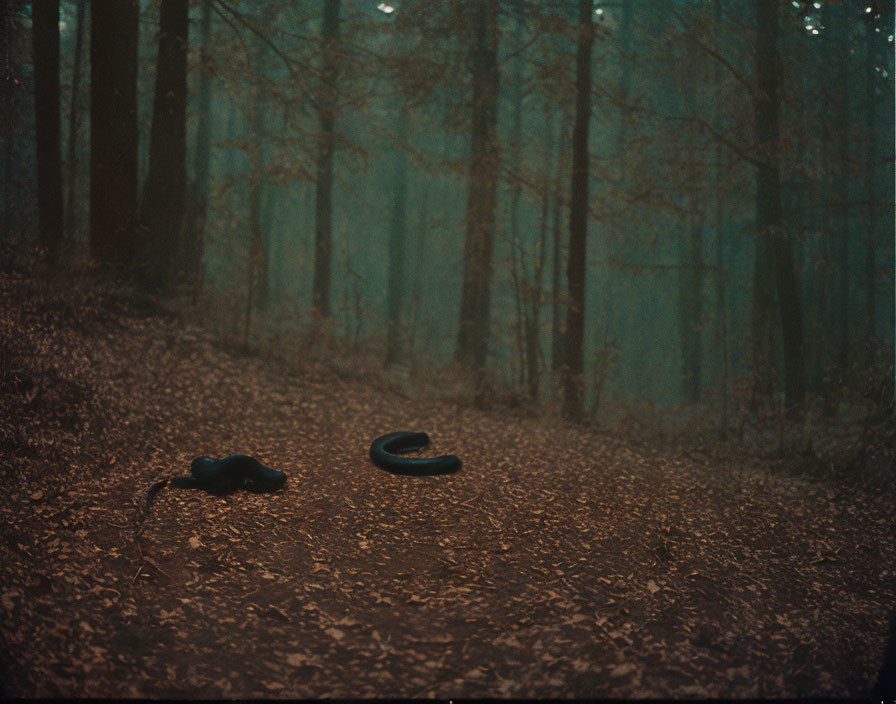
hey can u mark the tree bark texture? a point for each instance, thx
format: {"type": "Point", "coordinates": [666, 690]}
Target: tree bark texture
{"type": "Point", "coordinates": [473, 328]}
{"type": "Point", "coordinates": [558, 293]}
{"type": "Point", "coordinates": [162, 209]}
{"type": "Point", "coordinates": [202, 157]}
{"type": "Point", "coordinates": [774, 251]}
{"type": "Point", "coordinates": [395, 340]}
{"type": "Point", "coordinates": [258, 260]}
{"type": "Point", "coordinates": [194, 236]}
{"type": "Point", "coordinates": [690, 306]}
{"type": "Point", "coordinates": [113, 130]}
{"type": "Point", "coordinates": [323, 208]}
{"type": "Point", "coordinates": [574, 396]}
{"type": "Point", "coordinates": [74, 121]}
{"type": "Point", "coordinates": [45, 23]}
{"type": "Point", "coordinates": [690, 282]}
{"type": "Point", "coordinates": [719, 275]}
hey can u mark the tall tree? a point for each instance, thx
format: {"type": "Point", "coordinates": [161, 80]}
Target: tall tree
{"type": "Point", "coordinates": [258, 250]}
{"type": "Point", "coordinates": [74, 115]}
{"type": "Point", "coordinates": [720, 333]}
{"type": "Point", "coordinates": [473, 331]}
{"type": "Point", "coordinates": [162, 209]}
{"type": "Point", "coordinates": [843, 121]}
{"type": "Point", "coordinates": [869, 184]}
{"type": "Point", "coordinates": [13, 102]}
{"type": "Point", "coordinates": [558, 333]}
{"type": "Point", "coordinates": [45, 19]}
{"type": "Point", "coordinates": [574, 386]}
{"type": "Point", "coordinates": [395, 343]}
{"type": "Point", "coordinates": [774, 251]}
{"type": "Point", "coordinates": [690, 300]}
{"type": "Point", "coordinates": [323, 208]}
{"type": "Point", "coordinates": [113, 130]}
{"type": "Point", "coordinates": [536, 297]}
{"type": "Point", "coordinates": [194, 236]}
{"type": "Point", "coordinates": [516, 93]}
{"type": "Point", "coordinates": [690, 276]}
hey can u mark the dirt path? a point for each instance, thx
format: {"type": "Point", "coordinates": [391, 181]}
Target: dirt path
{"type": "Point", "coordinates": [555, 564]}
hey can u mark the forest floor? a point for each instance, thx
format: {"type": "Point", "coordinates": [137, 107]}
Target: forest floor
{"type": "Point", "coordinates": [557, 563]}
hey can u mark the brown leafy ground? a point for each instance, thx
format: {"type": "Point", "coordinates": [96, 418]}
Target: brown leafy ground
{"type": "Point", "coordinates": [556, 563]}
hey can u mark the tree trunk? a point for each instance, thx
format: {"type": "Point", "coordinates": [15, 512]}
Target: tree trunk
{"type": "Point", "coordinates": [690, 305]}
{"type": "Point", "coordinates": [839, 318]}
{"type": "Point", "coordinates": [690, 281]}
{"type": "Point", "coordinates": [258, 252]}
{"type": "Point", "coordinates": [558, 331]}
{"type": "Point", "coordinates": [395, 336]}
{"type": "Point", "coordinates": [574, 397]}
{"type": "Point", "coordinates": [15, 103]}
{"type": "Point", "coordinates": [719, 284]}
{"type": "Point", "coordinates": [71, 211]}
{"type": "Point", "coordinates": [194, 237]}
{"type": "Point", "coordinates": [421, 244]}
{"type": "Point", "coordinates": [776, 253]}
{"type": "Point", "coordinates": [162, 209]}
{"type": "Point", "coordinates": [519, 268]}
{"type": "Point", "coordinates": [473, 329]}
{"type": "Point", "coordinates": [45, 19]}
{"type": "Point", "coordinates": [323, 208]}
{"type": "Point", "coordinates": [871, 194]}
{"type": "Point", "coordinates": [113, 130]}
{"type": "Point", "coordinates": [533, 328]}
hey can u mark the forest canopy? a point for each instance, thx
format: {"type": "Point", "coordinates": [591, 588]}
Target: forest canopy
{"type": "Point", "coordinates": [599, 203]}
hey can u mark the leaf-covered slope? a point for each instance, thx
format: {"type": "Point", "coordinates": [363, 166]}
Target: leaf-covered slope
{"type": "Point", "coordinates": [556, 563]}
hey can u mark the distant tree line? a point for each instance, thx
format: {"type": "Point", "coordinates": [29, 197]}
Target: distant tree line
{"type": "Point", "coordinates": [607, 144]}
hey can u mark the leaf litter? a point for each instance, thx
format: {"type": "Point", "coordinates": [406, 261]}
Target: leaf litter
{"type": "Point", "coordinates": [557, 563]}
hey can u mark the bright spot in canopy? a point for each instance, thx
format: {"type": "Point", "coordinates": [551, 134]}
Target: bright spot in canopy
{"type": "Point", "coordinates": [795, 3]}
{"type": "Point", "coordinates": [814, 31]}
{"type": "Point", "coordinates": [599, 11]}
{"type": "Point", "coordinates": [62, 26]}
{"type": "Point", "coordinates": [384, 7]}
{"type": "Point", "coordinates": [809, 26]}
{"type": "Point", "coordinates": [868, 10]}
{"type": "Point", "coordinates": [816, 5]}
{"type": "Point", "coordinates": [890, 38]}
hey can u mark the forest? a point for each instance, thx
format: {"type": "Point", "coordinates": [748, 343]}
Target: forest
{"type": "Point", "coordinates": [632, 261]}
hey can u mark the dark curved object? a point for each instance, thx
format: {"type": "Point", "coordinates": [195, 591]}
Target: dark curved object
{"type": "Point", "coordinates": [385, 449]}
{"type": "Point", "coordinates": [229, 474]}
{"type": "Point", "coordinates": [885, 687]}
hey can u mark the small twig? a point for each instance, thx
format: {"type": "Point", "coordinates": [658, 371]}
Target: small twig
{"type": "Point", "coordinates": [467, 501]}
{"type": "Point", "coordinates": [437, 557]}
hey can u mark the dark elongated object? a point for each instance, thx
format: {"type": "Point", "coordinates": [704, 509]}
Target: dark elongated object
{"type": "Point", "coordinates": [230, 473]}
{"type": "Point", "coordinates": [384, 451]}
{"type": "Point", "coordinates": [885, 687]}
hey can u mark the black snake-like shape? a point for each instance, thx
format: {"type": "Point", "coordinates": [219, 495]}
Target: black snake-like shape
{"type": "Point", "coordinates": [233, 472]}
{"type": "Point", "coordinates": [244, 472]}
{"type": "Point", "coordinates": [385, 449]}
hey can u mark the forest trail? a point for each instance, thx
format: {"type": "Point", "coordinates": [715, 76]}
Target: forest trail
{"type": "Point", "coordinates": [556, 563]}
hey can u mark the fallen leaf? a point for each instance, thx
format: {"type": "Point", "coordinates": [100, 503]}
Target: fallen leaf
{"type": "Point", "coordinates": [622, 670]}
